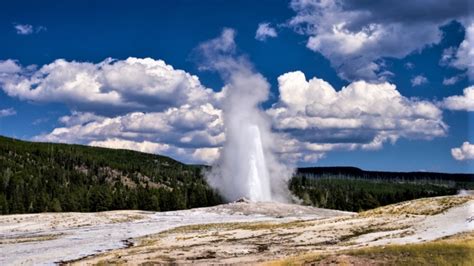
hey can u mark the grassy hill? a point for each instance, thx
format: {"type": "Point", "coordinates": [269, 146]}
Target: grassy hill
{"type": "Point", "coordinates": [41, 177]}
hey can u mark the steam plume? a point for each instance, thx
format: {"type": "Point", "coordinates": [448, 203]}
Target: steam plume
{"type": "Point", "coordinates": [247, 166]}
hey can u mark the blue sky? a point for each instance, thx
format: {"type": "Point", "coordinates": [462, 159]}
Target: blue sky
{"type": "Point", "coordinates": [408, 72]}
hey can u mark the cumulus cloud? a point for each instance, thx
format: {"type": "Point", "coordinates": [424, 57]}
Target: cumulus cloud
{"type": "Point", "coordinates": [208, 155]}
{"type": "Point", "coordinates": [27, 29]}
{"type": "Point", "coordinates": [462, 57]}
{"type": "Point", "coordinates": [418, 80]}
{"type": "Point", "coordinates": [7, 112]}
{"type": "Point", "coordinates": [186, 132]}
{"type": "Point", "coordinates": [141, 84]}
{"type": "Point", "coordinates": [79, 118]}
{"type": "Point", "coordinates": [144, 146]}
{"type": "Point", "coordinates": [356, 35]}
{"type": "Point", "coordinates": [316, 118]}
{"type": "Point", "coordinates": [265, 31]}
{"type": "Point", "coordinates": [312, 119]}
{"type": "Point", "coordinates": [183, 127]}
{"type": "Point", "coordinates": [199, 155]}
{"type": "Point", "coordinates": [463, 102]}
{"type": "Point", "coordinates": [137, 103]}
{"type": "Point", "coordinates": [8, 67]}
{"type": "Point", "coordinates": [465, 152]}
{"type": "Point", "coordinates": [147, 105]}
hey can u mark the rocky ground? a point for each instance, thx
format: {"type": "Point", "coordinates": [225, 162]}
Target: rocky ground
{"type": "Point", "coordinates": [232, 233]}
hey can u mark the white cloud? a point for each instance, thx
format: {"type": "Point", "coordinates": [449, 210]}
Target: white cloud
{"type": "Point", "coordinates": [7, 112]}
{"type": "Point", "coordinates": [147, 105]}
{"type": "Point", "coordinates": [355, 35]}
{"type": "Point", "coordinates": [23, 29]}
{"type": "Point", "coordinates": [8, 67]}
{"type": "Point", "coordinates": [207, 155]}
{"type": "Point", "coordinates": [316, 118]}
{"type": "Point", "coordinates": [27, 29]}
{"type": "Point", "coordinates": [79, 118]}
{"type": "Point", "coordinates": [418, 80]}
{"type": "Point", "coordinates": [447, 56]}
{"type": "Point", "coordinates": [465, 152]}
{"type": "Point", "coordinates": [197, 130]}
{"type": "Point", "coordinates": [312, 118]}
{"type": "Point", "coordinates": [144, 146]}
{"type": "Point", "coordinates": [141, 104]}
{"type": "Point", "coordinates": [463, 102]}
{"type": "Point", "coordinates": [265, 31]}
{"type": "Point", "coordinates": [186, 126]}
{"type": "Point", "coordinates": [109, 86]}
{"type": "Point", "coordinates": [463, 57]}
{"type": "Point", "coordinates": [452, 80]}
{"type": "Point", "coordinates": [198, 155]}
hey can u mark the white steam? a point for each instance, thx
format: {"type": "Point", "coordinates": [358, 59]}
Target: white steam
{"type": "Point", "coordinates": [247, 166]}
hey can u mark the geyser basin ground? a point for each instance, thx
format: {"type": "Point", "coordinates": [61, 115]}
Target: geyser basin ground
{"type": "Point", "coordinates": [235, 232]}
{"type": "Point", "coordinates": [53, 237]}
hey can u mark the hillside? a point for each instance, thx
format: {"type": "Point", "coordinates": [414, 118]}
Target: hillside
{"type": "Point", "coordinates": [353, 189]}
{"type": "Point", "coordinates": [40, 177]}
{"type": "Point", "coordinates": [46, 177]}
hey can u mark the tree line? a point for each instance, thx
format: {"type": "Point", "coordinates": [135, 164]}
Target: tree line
{"type": "Point", "coordinates": [352, 193]}
{"type": "Point", "coordinates": [41, 177]}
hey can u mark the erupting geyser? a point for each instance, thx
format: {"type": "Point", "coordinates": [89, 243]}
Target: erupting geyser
{"type": "Point", "coordinates": [242, 169]}
{"type": "Point", "coordinates": [257, 176]}
{"type": "Point", "coordinates": [247, 165]}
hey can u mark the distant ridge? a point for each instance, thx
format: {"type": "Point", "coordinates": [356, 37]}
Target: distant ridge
{"type": "Point", "coordinates": [354, 171]}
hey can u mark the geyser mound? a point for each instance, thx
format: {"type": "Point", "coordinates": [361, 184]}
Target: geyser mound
{"type": "Point", "coordinates": [247, 166]}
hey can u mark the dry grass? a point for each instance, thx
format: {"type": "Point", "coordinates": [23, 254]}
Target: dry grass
{"type": "Point", "coordinates": [250, 226]}
{"type": "Point", "coordinates": [456, 250]}
{"type": "Point", "coordinates": [425, 206]}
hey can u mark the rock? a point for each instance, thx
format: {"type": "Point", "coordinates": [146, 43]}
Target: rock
{"type": "Point", "coordinates": [243, 200]}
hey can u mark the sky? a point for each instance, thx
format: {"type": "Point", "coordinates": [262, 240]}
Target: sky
{"type": "Point", "coordinates": [380, 85]}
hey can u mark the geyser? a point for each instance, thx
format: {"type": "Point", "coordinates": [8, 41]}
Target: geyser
{"type": "Point", "coordinates": [247, 165]}
{"type": "Point", "coordinates": [257, 177]}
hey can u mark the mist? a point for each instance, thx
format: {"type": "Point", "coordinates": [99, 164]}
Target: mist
{"type": "Point", "coordinates": [248, 165]}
